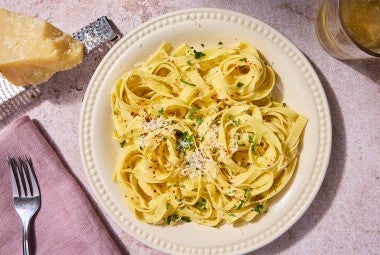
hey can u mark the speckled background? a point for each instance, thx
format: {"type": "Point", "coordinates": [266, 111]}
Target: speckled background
{"type": "Point", "coordinates": [344, 217]}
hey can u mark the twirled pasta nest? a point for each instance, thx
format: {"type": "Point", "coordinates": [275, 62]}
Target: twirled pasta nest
{"type": "Point", "coordinates": [202, 138]}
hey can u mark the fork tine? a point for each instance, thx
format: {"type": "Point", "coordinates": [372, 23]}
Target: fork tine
{"type": "Point", "coordinates": [35, 189]}
{"type": "Point", "coordinates": [14, 177]}
{"type": "Point", "coordinates": [24, 178]}
{"type": "Point", "coordinates": [19, 178]}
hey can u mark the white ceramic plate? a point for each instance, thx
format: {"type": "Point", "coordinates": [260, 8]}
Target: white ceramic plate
{"type": "Point", "coordinates": [297, 84]}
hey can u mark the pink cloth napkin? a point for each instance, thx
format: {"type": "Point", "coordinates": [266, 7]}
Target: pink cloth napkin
{"type": "Point", "coordinates": [66, 223]}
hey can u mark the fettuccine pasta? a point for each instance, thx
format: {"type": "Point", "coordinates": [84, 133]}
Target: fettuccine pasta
{"type": "Point", "coordinates": [202, 138]}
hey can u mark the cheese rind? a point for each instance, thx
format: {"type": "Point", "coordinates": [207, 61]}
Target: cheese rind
{"type": "Point", "coordinates": [32, 50]}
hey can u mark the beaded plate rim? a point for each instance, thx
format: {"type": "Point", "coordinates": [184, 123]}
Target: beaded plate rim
{"type": "Point", "coordinates": [257, 26]}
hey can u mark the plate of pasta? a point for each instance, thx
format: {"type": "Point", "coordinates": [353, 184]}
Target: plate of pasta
{"type": "Point", "coordinates": [205, 121]}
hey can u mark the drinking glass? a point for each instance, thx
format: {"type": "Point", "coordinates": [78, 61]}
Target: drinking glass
{"type": "Point", "coordinates": [349, 29]}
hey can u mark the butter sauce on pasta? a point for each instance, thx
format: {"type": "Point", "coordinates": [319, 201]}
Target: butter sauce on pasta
{"type": "Point", "coordinates": [202, 138]}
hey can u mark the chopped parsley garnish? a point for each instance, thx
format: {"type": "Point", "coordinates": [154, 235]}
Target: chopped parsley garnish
{"type": "Point", "coordinates": [198, 54]}
{"type": "Point", "coordinates": [241, 204]}
{"type": "Point", "coordinates": [171, 218]}
{"type": "Point", "coordinates": [167, 205]}
{"type": "Point", "coordinates": [161, 111]}
{"type": "Point", "coordinates": [188, 83]}
{"type": "Point", "coordinates": [202, 45]}
{"type": "Point", "coordinates": [122, 144]}
{"type": "Point", "coordinates": [178, 199]}
{"type": "Point", "coordinates": [259, 208]}
{"type": "Point", "coordinates": [233, 121]}
{"type": "Point", "coordinates": [193, 110]}
{"type": "Point", "coordinates": [253, 148]}
{"type": "Point", "coordinates": [284, 104]}
{"type": "Point", "coordinates": [250, 139]}
{"type": "Point", "coordinates": [220, 43]}
{"type": "Point", "coordinates": [253, 145]}
{"type": "Point", "coordinates": [186, 219]}
{"type": "Point", "coordinates": [240, 84]}
{"type": "Point", "coordinates": [247, 196]}
{"type": "Point", "coordinates": [243, 59]}
{"type": "Point", "coordinates": [189, 62]}
{"type": "Point", "coordinates": [199, 120]}
{"type": "Point", "coordinates": [201, 205]}
{"type": "Point", "coordinates": [185, 142]}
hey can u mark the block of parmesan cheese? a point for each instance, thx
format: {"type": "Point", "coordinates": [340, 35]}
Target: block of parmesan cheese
{"type": "Point", "coordinates": [32, 50]}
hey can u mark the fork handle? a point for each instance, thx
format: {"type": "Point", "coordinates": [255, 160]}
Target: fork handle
{"type": "Point", "coordinates": [25, 237]}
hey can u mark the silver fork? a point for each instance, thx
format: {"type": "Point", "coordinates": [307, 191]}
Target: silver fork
{"type": "Point", "coordinates": [26, 195]}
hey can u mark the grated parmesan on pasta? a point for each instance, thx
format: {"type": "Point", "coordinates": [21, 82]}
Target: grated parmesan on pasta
{"type": "Point", "coordinates": [203, 140]}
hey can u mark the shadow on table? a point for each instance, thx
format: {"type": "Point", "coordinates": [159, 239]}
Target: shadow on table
{"type": "Point", "coordinates": [368, 67]}
{"type": "Point", "coordinates": [330, 185]}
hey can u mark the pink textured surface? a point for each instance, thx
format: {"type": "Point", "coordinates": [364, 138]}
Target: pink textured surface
{"type": "Point", "coordinates": [66, 218]}
{"type": "Point", "coordinates": [343, 219]}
